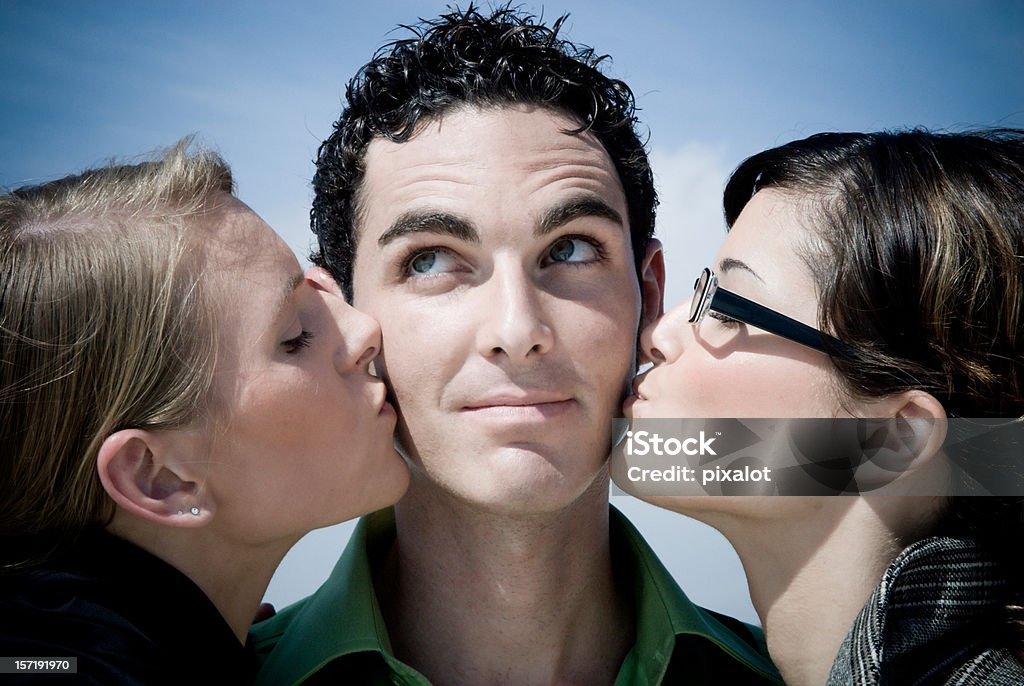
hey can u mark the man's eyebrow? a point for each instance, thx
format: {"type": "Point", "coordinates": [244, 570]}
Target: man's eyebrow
{"type": "Point", "coordinates": [575, 209]}
{"type": "Point", "coordinates": [728, 263]}
{"type": "Point", "coordinates": [429, 222]}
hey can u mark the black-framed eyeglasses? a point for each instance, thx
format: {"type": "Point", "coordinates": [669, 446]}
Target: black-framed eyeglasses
{"type": "Point", "coordinates": [708, 295]}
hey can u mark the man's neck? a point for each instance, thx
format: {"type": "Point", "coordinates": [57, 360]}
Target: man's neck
{"type": "Point", "coordinates": [476, 597]}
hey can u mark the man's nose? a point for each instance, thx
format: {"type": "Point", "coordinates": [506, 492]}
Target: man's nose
{"type": "Point", "coordinates": [514, 322]}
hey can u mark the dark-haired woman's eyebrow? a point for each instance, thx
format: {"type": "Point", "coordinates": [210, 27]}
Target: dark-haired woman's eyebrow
{"type": "Point", "coordinates": [729, 263]}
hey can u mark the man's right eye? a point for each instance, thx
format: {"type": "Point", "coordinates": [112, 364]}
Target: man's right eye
{"type": "Point", "coordinates": [430, 262]}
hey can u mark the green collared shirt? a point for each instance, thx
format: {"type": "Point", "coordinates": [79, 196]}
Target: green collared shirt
{"type": "Point", "coordinates": [337, 635]}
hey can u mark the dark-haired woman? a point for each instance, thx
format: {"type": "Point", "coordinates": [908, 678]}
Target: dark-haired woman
{"type": "Point", "coordinates": [905, 252]}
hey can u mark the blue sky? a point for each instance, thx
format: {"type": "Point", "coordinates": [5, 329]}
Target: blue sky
{"type": "Point", "coordinates": [716, 82]}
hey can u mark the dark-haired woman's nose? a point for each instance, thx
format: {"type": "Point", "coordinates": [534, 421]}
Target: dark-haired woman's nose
{"type": "Point", "coordinates": [662, 341]}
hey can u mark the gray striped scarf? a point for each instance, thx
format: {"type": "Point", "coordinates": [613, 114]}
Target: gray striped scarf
{"type": "Point", "coordinates": [931, 621]}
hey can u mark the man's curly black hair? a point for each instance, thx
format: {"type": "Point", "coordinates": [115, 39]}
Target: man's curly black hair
{"type": "Point", "coordinates": [464, 58]}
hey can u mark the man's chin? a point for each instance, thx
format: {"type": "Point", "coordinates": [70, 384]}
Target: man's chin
{"type": "Point", "coordinates": [518, 481]}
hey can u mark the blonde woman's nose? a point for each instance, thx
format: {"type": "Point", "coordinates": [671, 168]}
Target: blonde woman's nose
{"type": "Point", "coordinates": [360, 333]}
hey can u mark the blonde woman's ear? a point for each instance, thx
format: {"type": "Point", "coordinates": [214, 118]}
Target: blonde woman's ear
{"type": "Point", "coordinates": [139, 472]}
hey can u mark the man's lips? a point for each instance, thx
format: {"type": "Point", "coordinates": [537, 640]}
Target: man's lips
{"type": "Point", "coordinates": [518, 408]}
{"type": "Point", "coordinates": [512, 399]}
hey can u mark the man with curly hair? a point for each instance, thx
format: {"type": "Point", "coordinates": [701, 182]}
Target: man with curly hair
{"type": "Point", "coordinates": [486, 197]}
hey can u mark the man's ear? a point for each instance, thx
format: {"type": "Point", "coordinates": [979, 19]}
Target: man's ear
{"type": "Point", "coordinates": [141, 471]}
{"type": "Point", "coordinates": [907, 442]}
{"type": "Point", "coordinates": [322, 280]}
{"type": "Point", "coordinates": [652, 284]}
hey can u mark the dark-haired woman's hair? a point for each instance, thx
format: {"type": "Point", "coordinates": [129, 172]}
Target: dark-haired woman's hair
{"type": "Point", "coordinates": [918, 257]}
{"type": "Point", "coordinates": [468, 59]}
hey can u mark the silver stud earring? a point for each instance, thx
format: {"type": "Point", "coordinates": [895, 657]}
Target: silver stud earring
{"type": "Point", "coordinates": [194, 511]}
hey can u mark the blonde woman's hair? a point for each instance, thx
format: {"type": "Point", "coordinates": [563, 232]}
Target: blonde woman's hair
{"type": "Point", "coordinates": [103, 327]}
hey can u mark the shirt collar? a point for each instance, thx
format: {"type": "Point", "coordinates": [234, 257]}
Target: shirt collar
{"type": "Point", "coordinates": [664, 613]}
{"type": "Point", "coordinates": [344, 617]}
{"type": "Point", "coordinates": [340, 618]}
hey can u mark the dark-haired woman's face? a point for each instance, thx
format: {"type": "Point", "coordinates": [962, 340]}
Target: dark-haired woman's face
{"type": "Point", "coordinates": [724, 368]}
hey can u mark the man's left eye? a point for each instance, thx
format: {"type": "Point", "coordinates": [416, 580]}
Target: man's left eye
{"type": "Point", "coordinates": [572, 250]}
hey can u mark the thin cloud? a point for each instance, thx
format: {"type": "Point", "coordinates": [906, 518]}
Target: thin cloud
{"type": "Point", "coordinates": [689, 180]}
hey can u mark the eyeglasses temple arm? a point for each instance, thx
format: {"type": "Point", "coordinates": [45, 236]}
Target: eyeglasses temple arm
{"type": "Point", "coordinates": [750, 312]}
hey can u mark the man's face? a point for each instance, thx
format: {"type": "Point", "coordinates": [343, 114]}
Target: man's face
{"type": "Point", "coordinates": [494, 249]}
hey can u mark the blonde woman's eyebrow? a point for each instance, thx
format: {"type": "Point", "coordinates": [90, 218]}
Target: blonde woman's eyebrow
{"type": "Point", "coordinates": [286, 292]}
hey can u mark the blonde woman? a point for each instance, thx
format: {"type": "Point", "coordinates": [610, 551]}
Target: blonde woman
{"type": "Point", "coordinates": [179, 404]}
{"type": "Point", "coordinates": [876, 276]}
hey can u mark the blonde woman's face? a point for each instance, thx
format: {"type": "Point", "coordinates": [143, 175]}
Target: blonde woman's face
{"type": "Point", "coordinates": [303, 434]}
